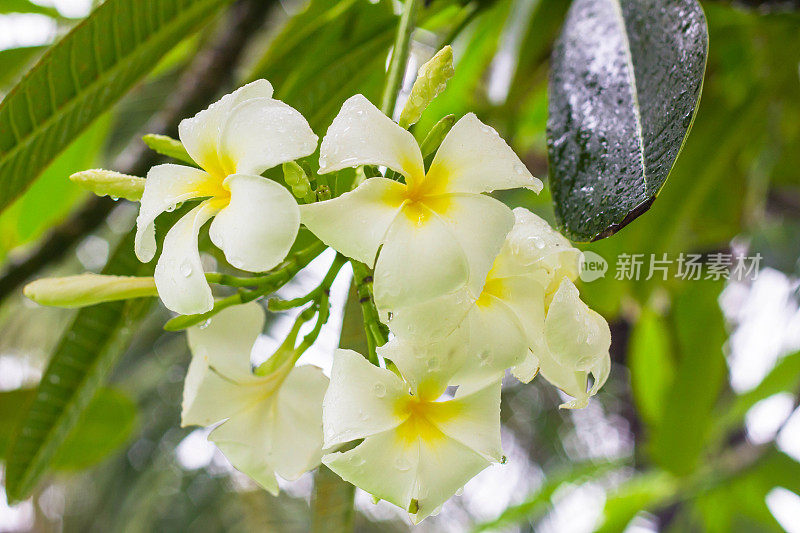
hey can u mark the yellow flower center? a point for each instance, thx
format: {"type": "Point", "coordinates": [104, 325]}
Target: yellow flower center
{"type": "Point", "coordinates": [422, 419]}
{"type": "Point", "coordinates": [422, 195]}
{"type": "Point", "coordinates": [218, 166]}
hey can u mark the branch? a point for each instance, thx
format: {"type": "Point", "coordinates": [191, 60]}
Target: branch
{"type": "Point", "coordinates": [210, 71]}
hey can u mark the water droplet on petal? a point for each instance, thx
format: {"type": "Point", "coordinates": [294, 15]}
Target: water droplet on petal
{"type": "Point", "coordinates": [186, 269]}
{"type": "Point", "coordinates": [380, 390]}
{"type": "Point", "coordinates": [401, 464]}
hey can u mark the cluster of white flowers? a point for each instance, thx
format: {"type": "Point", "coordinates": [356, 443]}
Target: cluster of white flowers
{"type": "Point", "coordinates": [468, 288]}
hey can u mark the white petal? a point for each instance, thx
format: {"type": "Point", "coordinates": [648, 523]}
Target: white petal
{"type": "Point", "coordinates": [381, 465]}
{"type": "Point", "coordinates": [527, 369]}
{"type": "Point", "coordinates": [577, 337]}
{"type": "Point", "coordinates": [443, 469]}
{"type": "Point", "coordinates": [536, 245]}
{"type": "Point", "coordinates": [362, 135]}
{"type": "Point", "coordinates": [356, 222]}
{"type": "Point", "coordinates": [227, 339]}
{"type": "Point", "coordinates": [526, 299]}
{"type": "Point", "coordinates": [262, 133]}
{"type": "Point", "coordinates": [480, 224]}
{"type": "Point", "coordinates": [360, 400]}
{"type": "Point", "coordinates": [297, 443]}
{"type": "Point", "coordinates": [568, 380]}
{"type": "Point", "coordinates": [217, 379]}
{"type": "Point", "coordinates": [473, 420]}
{"type": "Point", "coordinates": [179, 275]}
{"type": "Point", "coordinates": [429, 366]}
{"type": "Point", "coordinates": [200, 134]}
{"type": "Point", "coordinates": [246, 440]}
{"type": "Point", "coordinates": [473, 158]}
{"type": "Point", "coordinates": [497, 341]}
{"type": "Point", "coordinates": [165, 187]}
{"type": "Point", "coordinates": [259, 225]}
{"type": "Point", "coordinates": [420, 259]}
{"type": "Point", "coordinates": [432, 319]}
{"type": "Point", "coordinates": [280, 433]}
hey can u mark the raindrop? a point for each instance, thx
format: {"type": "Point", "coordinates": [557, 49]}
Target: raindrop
{"type": "Point", "coordinates": [401, 464]}
{"type": "Point", "coordinates": [205, 324]}
{"type": "Point", "coordinates": [186, 269]}
{"type": "Point", "coordinates": [380, 390]}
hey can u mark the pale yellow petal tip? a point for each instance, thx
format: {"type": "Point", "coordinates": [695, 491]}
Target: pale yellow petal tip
{"type": "Point", "coordinates": [575, 404]}
{"type": "Point", "coordinates": [536, 185]}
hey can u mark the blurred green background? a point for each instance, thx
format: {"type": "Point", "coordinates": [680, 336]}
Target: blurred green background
{"type": "Point", "coordinates": [698, 427]}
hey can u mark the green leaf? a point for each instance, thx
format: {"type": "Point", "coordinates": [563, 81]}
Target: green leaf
{"type": "Point", "coordinates": [83, 75]}
{"type": "Point", "coordinates": [14, 60]}
{"type": "Point", "coordinates": [53, 195]}
{"type": "Point", "coordinates": [104, 426]}
{"type": "Point", "coordinates": [327, 53]}
{"type": "Point", "coordinates": [784, 377]}
{"type": "Point", "coordinates": [680, 435]}
{"type": "Point", "coordinates": [638, 494]}
{"type": "Point", "coordinates": [26, 6]}
{"type": "Point", "coordinates": [536, 504]}
{"type": "Point", "coordinates": [85, 354]}
{"type": "Point", "coordinates": [651, 364]}
{"type": "Point", "coordinates": [625, 83]}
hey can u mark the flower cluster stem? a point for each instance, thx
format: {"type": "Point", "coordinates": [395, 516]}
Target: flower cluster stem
{"type": "Point", "coordinates": [261, 286]}
{"type": "Point", "coordinates": [397, 67]}
{"type": "Point", "coordinates": [377, 333]}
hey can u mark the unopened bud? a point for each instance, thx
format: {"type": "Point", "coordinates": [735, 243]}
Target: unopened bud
{"type": "Point", "coordinates": [110, 183]}
{"type": "Point", "coordinates": [165, 145]}
{"type": "Point", "coordinates": [437, 134]}
{"type": "Point", "coordinates": [88, 289]}
{"type": "Point", "coordinates": [431, 80]}
{"type": "Point", "coordinates": [296, 178]}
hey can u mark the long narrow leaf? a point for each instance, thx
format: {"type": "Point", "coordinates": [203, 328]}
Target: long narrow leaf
{"type": "Point", "coordinates": [85, 354]}
{"type": "Point", "coordinates": [82, 75]}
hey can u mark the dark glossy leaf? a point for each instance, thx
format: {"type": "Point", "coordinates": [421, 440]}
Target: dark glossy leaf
{"type": "Point", "coordinates": [625, 82]}
{"type": "Point", "coordinates": [103, 427]}
{"type": "Point", "coordinates": [81, 76]}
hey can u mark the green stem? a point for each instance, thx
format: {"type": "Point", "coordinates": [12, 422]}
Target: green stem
{"type": "Point", "coordinates": [397, 67]}
{"type": "Point", "coordinates": [263, 285]}
{"type": "Point", "coordinates": [377, 334]}
{"type": "Point", "coordinates": [324, 286]}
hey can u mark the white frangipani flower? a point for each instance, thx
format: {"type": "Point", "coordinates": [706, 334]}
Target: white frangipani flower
{"type": "Point", "coordinates": [255, 219]}
{"type": "Point", "coordinates": [437, 232]}
{"type": "Point", "coordinates": [574, 345]}
{"type": "Point", "coordinates": [272, 423]}
{"type": "Point", "coordinates": [528, 315]}
{"type": "Point", "coordinates": [417, 451]}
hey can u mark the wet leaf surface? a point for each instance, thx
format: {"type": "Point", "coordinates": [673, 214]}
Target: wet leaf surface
{"type": "Point", "coordinates": [625, 83]}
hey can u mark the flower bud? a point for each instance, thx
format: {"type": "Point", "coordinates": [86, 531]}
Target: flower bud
{"type": "Point", "coordinates": [110, 183]}
{"type": "Point", "coordinates": [168, 146]}
{"type": "Point", "coordinates": [88, 289]}
{"type": "Point", "coordinates": [296, 178]}
{"type": "Point", "coordinates": [431, 80]}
